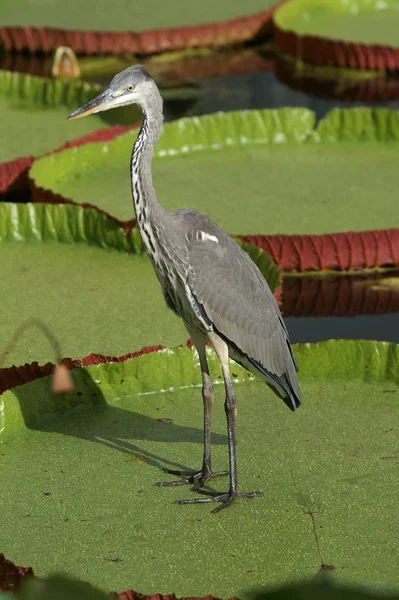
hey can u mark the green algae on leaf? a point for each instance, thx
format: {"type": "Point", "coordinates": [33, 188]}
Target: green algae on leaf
{"type": "Point", "coordinates": [327, 473]}
{"type": "Point", "coordinates": [290, 183]}
{"type": "Point", "coordinates": [145, 14]}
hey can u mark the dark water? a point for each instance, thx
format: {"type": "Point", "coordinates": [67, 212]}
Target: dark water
{"type": "Point", "coordinates": [313, 309]}
{"type": "Point", "coordinates": [384, 328]}
{"type": "Point", "coordinates": [342, 307]}
{"type": "Point", "coordinates": [281, 84]}
{"type": "Point", "coordinates": [263, 90]}
{"type": "Point", "coordinates": [349, 307]}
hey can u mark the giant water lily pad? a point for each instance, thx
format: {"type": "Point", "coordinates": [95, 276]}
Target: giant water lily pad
{"type": "Point", "coordinates": [359, 34]}
{"type": "Point", "coordinates": [33, 112]}
{"type": "Point", "coordinates": [365, 21]}
{"type": "Point", "coordinates": [89, 283]}
{"type": "Point", "coordinates": [82, 482]}
{"type": "Point", "coordinates": [96, 15]}
{"type": "Point", "coordinates": [267, 171]}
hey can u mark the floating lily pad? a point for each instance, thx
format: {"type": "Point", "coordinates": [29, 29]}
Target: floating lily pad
{"type": "Point", "coordinates": [144, 15]}
{"type": "Point", "coordinates": [88, 282]}
{"type": "Point", "coordinates": [359, 34]}
{"type": "Point", "coordinates": [266, 171]}
{"type": "Point", "coordinates": [365, 21]}
{"type": "Point", "coordinates": [33, 112]}
{"type": "Point", "coordinates": [328, 473]}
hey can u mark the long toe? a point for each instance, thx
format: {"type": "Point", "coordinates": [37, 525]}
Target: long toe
{"type": "Point", "coordinates": [198, 478]}
{"type": "Point", "coordinates": [189, 477]}
{"type": "Point", "coordinates": [226, 499]}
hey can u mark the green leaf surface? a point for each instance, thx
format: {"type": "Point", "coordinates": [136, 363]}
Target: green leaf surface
{"type": "Point", "coordinates": [364, 21]}
{"type": "Point", "coordinates": [88, 282]}
{"type": "Point", "coordinates": [143, 15]}
{"type": "Point", "coordinates": [294, 178]}
{"type": "Point", "coordinates": [328, 473]}
{"type": "Point", "coordinates": [33, 112]}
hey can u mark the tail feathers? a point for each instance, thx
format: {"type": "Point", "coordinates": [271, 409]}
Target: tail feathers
{"type": "Point", "coordinates": [284, 386]}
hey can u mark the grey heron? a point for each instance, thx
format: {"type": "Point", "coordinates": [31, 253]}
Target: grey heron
{"type": "Point", "coordinates": [208, 281]}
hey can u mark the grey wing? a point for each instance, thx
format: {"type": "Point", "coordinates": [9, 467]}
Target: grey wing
{"type": "Point", "coordinates": [237, 300]}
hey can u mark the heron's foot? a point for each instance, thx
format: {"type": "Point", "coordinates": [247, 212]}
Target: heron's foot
{"type": "Point", "coordinates": [198, 478]}
{"type": "Point", "coordinates": [226, 498]}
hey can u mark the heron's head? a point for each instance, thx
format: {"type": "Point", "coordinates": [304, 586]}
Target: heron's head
{"type": "Point", "coordinates": [131, 86]}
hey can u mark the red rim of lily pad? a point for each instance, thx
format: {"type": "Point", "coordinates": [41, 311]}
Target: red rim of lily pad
{"type": "Point", "coordinates": [319, 50]}
{"type": "Point", "coordinates": [47, 39]}
{"type": "Point", "coordinates": [350, 55]}
{"type": "Point", "coordinates": [11, 576]}
{"type": "Point", "coordinates": [13, 174]}
{"type": "Point", "coordinates": [347, 251]}
{"type": "Point", "coordinates": [10, 377]}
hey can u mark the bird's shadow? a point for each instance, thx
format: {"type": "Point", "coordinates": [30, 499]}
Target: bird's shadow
{"type": "Point", "coordinates": [88, 416]}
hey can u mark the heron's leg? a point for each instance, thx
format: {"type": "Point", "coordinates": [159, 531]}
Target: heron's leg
{"type": "Point", "coordinates": [231, 412]}
{"type": "Point", "coordinates": [199, 478]}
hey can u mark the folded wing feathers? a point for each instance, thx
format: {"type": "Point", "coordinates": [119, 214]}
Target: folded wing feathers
{"type": "Point", "coordinates": [237, 299]}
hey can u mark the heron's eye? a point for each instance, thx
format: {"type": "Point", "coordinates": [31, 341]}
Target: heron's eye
{"type": "Point", "coordinates": [130, 88]}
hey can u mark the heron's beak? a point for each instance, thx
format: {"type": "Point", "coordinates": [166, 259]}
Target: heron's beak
{"type": "Point", "coordinates": [103, 101]}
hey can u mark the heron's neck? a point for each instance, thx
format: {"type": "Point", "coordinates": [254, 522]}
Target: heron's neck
{"type": "Point", "coordinates": [146, 205]}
